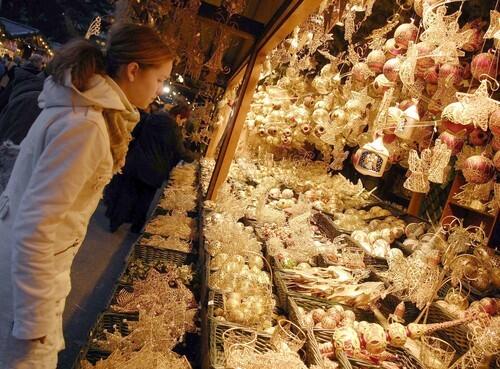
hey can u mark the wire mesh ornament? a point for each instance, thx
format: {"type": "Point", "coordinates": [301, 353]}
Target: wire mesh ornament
{"type": "Point", "coordinates": [245, 357]}
{"type": "Point", "coordinates": [470, 192]}
{"type": "Point", "coordinates": [484, 336]}
{"type": "Point", "coordinates": [444, 95]}
{"type": "Point", "coordinates": [214, 64]}
{"type": "Point", "coordinates": [94, 28]}
{"type": "Point", "coordinates": [380, 122]}
{"type": "Point", "coordinates": [407, 71]}
{"type": "Point", "coordinates": [418, 180]}
{"type": "Point", "coordinates": [494, 28]}
{"type": "Point", "coordinates": [441, 155]}
{"type": "Point", "coordinates": [477, 106]}
{"type": "Point", "coordinates": [338, 157]}
{"type": "Point", "coordinates": [316, 33]}
{"type": "Point", "coordinates": [287, 337]}
{"type": "Point", "coordinates": [349, 25]}
{"type": "Point", "coordinates": [436, 353]}
{"type": "Point", "coordinates": [377, 38]}
{"type": "Point", "coordinates": [442, 31]}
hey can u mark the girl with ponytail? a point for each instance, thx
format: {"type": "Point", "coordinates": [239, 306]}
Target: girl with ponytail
{"type": "Point", "coordinates": [74, 147]}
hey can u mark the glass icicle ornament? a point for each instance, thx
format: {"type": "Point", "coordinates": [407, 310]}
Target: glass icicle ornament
{"type": "Point", "coordinates": [373, 158]}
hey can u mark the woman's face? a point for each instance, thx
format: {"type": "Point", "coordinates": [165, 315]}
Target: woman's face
{"type": "Point", "coordinates": [143, 85]}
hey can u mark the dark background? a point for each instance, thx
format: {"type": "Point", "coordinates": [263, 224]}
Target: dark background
{"type": "Point", "coordinates": [58, 20]}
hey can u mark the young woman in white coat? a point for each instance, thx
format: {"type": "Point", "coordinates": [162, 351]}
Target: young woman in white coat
{"type": "Point", "coordinates": [74, 147]}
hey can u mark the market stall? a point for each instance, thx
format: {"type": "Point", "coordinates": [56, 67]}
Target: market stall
{"type": "Point", "coordinates": [21, 40]}
{"type": "Point", "coordinates": [332, 158]}
{"type": "Point", "coordinates": [346, 213]}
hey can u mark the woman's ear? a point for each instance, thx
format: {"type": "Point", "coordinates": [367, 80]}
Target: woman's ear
{"type": "Point", "coordinates": [132, 70]}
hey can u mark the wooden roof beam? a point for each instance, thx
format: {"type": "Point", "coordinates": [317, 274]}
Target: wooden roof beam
{"type": "Point", "coordinates": [244, 27]}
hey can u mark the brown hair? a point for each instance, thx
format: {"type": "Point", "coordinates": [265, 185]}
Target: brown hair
{"type": "Point", "coordinates": [182, 110]}
{"type": "Point", "coordinates": [127, 43]}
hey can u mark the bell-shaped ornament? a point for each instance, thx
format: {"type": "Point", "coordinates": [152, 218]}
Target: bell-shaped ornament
{"type": "Point", "coordinates": [373, 158]}
{"type": "Point", "coordinates": [406, 126]}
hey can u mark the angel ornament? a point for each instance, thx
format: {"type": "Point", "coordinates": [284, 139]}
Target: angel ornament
{"type": "Point", "coordinates": [418, 180]}
{"type": "Point", "coordinates": [441, 155]}
{"type": "Point", "coordinates": [338, 157]}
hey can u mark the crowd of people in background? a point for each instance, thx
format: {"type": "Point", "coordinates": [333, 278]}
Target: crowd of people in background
{"type": "Point", "coordinates": [157, 144]}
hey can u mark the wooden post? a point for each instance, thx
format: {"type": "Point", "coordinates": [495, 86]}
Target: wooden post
{"type": "Point", "coordinates": [235, 126]}
{"type": "Point", "coordinates": [415, 203]}
{"type": "Point", "coordinates": [297, 13]}
{"type": "Point", "coordinates": [220, 129]}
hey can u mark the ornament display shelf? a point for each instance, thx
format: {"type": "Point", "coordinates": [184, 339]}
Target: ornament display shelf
{"type": "Point", "coordinates": [149, 257]}
{"type": "Point", "coordinates": [471, 217]}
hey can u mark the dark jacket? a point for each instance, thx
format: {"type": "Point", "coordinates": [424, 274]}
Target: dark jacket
{"type": "Point", "coordinates": [156, 149]}
{"type": "Point", "coordinates": [21, 75]}
{"type": "Point", "coordinates": [22, 109]}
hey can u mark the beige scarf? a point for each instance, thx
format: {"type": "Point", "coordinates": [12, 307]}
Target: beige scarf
{"type": "Point", "coordinates": [120, 125]}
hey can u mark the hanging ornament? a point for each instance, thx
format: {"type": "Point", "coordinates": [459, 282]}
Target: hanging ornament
{"type": "Point", "coordinates": [484, 65]}
{"type": "Point", "coordinates": [478, 137]}
{"type": "Point", "coordinates": [441, 155]}
{"type": "Point", "coordinates": [452, 72]}
{"type": "Point", "coordinates": [475, 41]}
{"type": "Point", "coordinates": [454, 143]}
{"type": "Point", "coordinates": [495, 143]}
{"type": "Point", "coordinates": [372, 158]}
{"type": "Point", "coordinates": [381, 84]}
{"type": "Point", "coordinates": [321, 116]}
{"type": "Point", "coordinates": [404, 34]}
{"type": "Point", "coordinates": [359, 101]}
{"type": "Point", "coordinates": [431, 75]}
{"type": "Point", "coordinates": [424, 61]}
{"type": "Point", "coordinates": [391, 69]}
{"type": "Point", "coordinates": [419, 169]}
{"type": "Point", "coordinates": [494, 122]}
{"type": "Point", "coordinates": [391, 49]}
{"type": "Point", "coordinates": [458, 129]}
{"type": "Point", "coordinates": [494, 29]}
{"type": "Point", "coordinates": [496, 161]}
{"type": "Point", "coordinates": [478, 169]}
{"type": "Point", "coordinates": [361, 72]}
{"type": "Point", "coordinates": [477, 107]}
{"type": "Point", "coordinates": [375, 61]}
{"type": "Point", "coordinates": [406, 126]}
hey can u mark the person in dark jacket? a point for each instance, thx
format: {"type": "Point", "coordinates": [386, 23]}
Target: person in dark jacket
{"type": "Point", "coordinates": [156, 149]}
{"type": "Point", "coordinates": [22, 109]}
{"type": "Point", "coordinates": [20, 75]}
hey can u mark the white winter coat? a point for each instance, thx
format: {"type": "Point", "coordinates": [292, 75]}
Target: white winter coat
{"type": "Point", "coordinates": [56, 184]}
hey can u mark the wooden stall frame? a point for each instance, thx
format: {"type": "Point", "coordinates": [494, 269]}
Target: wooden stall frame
{"type": "Point", "coordinates": [297, 12]}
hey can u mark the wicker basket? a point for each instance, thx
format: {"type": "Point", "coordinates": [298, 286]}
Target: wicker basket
{"type": "Point", "coordinates": [162, 211]}
{"type": "Point", "coordinates": [312, 352]}
{"type": "Point", "coordinates": [150, 254]}
{"type": "Point", "coordinates": [389, 304]}
{"type": "Point", "coordinates": [328, 228]}
{"type": "Point", "coordinates": [218, 327]}
{"type": "Point", "coordinates": [112, 322]}
{"type": "Point", "coordinates": [404, 358]}
{"type": "Point", "coordinates": [144, 240]}
{"type": "Point", "coordinates": [109, 322]}
{"type": "Point", "coordinates": [457, 336]}
{"type": "Point", "coordinates": [216, 301]}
